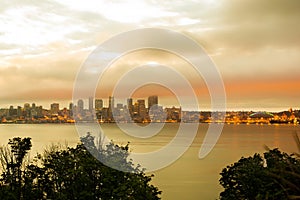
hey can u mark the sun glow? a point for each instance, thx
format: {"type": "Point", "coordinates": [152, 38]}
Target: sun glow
{"type": "Point", "coordinates": [152, 64]}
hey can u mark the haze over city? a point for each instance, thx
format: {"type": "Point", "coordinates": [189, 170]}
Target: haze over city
{"type": "Point", "coordinates": [254, 44]}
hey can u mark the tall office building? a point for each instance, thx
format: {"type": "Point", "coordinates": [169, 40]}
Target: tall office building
{"type": "Point", "coordinates": [111, 102]}
{"type": "Point", "coordinates": [71, 106]}
{"type": "Point", "coordinates": [142, 112]}
{"type": "Point", "coordinates": [39, 111]}
{"type": "Point", "coordinates": [129, 102]}
{"type": "Point", "coordinates": [130, 106]}
{"type": "Point", "coordinates": [33, 111]}
{"type": "Point", "coordinates": [12, 111]}
{"type": "Point", "coordinates": [152, 100]}
{"type": "Point", "coordinates": [98, 104]}
{"type": "Point", "coordinates": [80, 106]}
{"type": "Point", "coordinates": [71, 109]}
{"type": "Point", "coordinates": [120, 106]}
{"type": "Point", "coordinates": [111, 105]}
{"type": "Point", "coordinates": [19, 111]}
{"type": "Point", "coordinates": [26, 107]}
{"type": "Point", "coordinates": [54, 108]}
{"type": "Point", "coordinates": [91, 104]}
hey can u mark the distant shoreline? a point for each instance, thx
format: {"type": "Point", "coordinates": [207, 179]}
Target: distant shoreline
{"type": "Point", "coordinates": [87, 122]}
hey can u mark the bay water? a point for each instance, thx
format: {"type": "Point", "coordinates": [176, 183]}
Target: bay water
{"type": "Point", "coordinates": [188, 177]}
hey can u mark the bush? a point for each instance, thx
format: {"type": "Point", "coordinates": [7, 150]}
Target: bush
{"type": "Point", "coordinates": [276, 175]}
{"type": "Point", "coordinates": [73, 173]}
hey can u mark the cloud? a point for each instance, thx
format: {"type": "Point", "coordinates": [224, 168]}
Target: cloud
{"type": "Point", "coordinates": [253, 24]}
{"type": "Point", "coordinates": [43, 43]}
{"type": "Point", "coordinates": [133, 11]}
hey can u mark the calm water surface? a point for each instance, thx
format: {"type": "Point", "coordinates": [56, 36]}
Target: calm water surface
{"type": "Point", "coordinates": [188, 177]}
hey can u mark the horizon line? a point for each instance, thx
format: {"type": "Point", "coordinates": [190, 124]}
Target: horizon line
{"type": "Point", "coordinates": [267, 109]}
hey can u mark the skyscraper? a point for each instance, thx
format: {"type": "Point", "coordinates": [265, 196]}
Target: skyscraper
{"type": "Point", "coordinates": [98, 104]}
{"type": "Point", "coordinates": [71, 108]}
{"type": "Point", "coordinates": [80, 106]}
{"type": "Point", "coordinates": [130, 106]}
{"type": "Point", "coordinates": [54, 108]}
{"type": "Point", "coordinates": [33, 111]}
{"type": "Point", "coordinates": [111, 105]}
{"type": "Point", "coordinates": [26, 107]}
{"type": "Point", "coordinates": [19, 111]}
{"type": "Point", "coordinates": [12, 111]}
{"type": "Point", "coordinates": [91, 104]}
{"type": "Point", "coordinates": [111, 102]}
{"type": "Point", "coordinates": [142, 112]}
{"type": "Point", "coordinates": [129, 102]}
{"type": "Point", "coordinates": [152, 100]}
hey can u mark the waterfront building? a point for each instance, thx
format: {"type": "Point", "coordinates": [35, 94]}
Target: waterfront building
{"type": "Point", "coordinates": [111, 106]}
{"type": "Point", "coordinates": [80, 106]}
{"type": "Point", "coordinates": [19, 111]}
{"type": "Point", "coordinates": [174, 114]}
{"type": "Point", "coordinates": [91, 104]}
{"type": "Point", "coordinates": [54, 108]}
{"type": "Point", "coordinates": [152, 101]}
{"type": "Point", "coordinates": [26, 110]}
{"type": "Point", "coordinates": [142, 111]}
{"type": "Point", "coordinates": [98, 104]}
{"type": "Point", "coordinates": [71, 109]}
{"type": "Point", "coordinates": [111, 102]}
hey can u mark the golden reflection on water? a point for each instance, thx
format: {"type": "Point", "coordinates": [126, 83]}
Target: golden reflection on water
{"type": "Point", "coordinates": [188, 177]}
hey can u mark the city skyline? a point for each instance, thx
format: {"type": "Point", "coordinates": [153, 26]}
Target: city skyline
{"type": "Point", "coordinates": [136, 111]}
{"type": "Point", "coordinates": [91, 103]}
{"type": "Point", "coordinates": [105, 102]}
{"type": "Point", "coordinates": [254, 44]}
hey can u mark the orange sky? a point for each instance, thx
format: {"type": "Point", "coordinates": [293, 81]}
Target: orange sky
{"type": "Point", "coordinates": [255, 45]}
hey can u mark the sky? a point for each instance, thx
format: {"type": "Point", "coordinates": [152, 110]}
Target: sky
{"type": "Point", "coordinates": [254, 44]}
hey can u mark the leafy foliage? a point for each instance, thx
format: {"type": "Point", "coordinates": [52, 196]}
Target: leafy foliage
{"type": "Point", "coordinates": [276, 175]}
{"type": "Point", "coordinates": [73, 173]}
{"type": "Point", "coordinates": [11, 160]}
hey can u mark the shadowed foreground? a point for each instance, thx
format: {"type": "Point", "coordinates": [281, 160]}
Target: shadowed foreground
{"type": "Point", "coordinates": [275, 175]}
{"type": "Point", "coordinates": [71, 173]}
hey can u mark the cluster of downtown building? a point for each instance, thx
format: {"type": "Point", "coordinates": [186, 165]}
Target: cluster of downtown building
{"type": "Point", "coordinates": [115, 112]}
{"type": "Point", "coordinates": [136, 112]}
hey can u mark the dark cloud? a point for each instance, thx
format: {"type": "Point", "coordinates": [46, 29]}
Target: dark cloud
{"type": "Point", "coordinates": [256, 24]}
{"type": "Point", "coordinates": [248, 40]}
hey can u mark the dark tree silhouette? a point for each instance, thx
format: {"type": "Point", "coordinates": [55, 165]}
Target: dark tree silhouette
{"type": "Point", "coordinates": [12, 162]}
{"type": "Point", "coordinates": [73, 173]}
{"type": "Point", "coordinates": [276, 175]}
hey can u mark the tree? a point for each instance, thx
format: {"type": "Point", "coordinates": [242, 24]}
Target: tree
{"type": "Point", "coordinates": [73, 173]}
{"type": "Point", "coordinates": [12, 160]}
{"type": "Point", "coordinates": [276, 175]}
